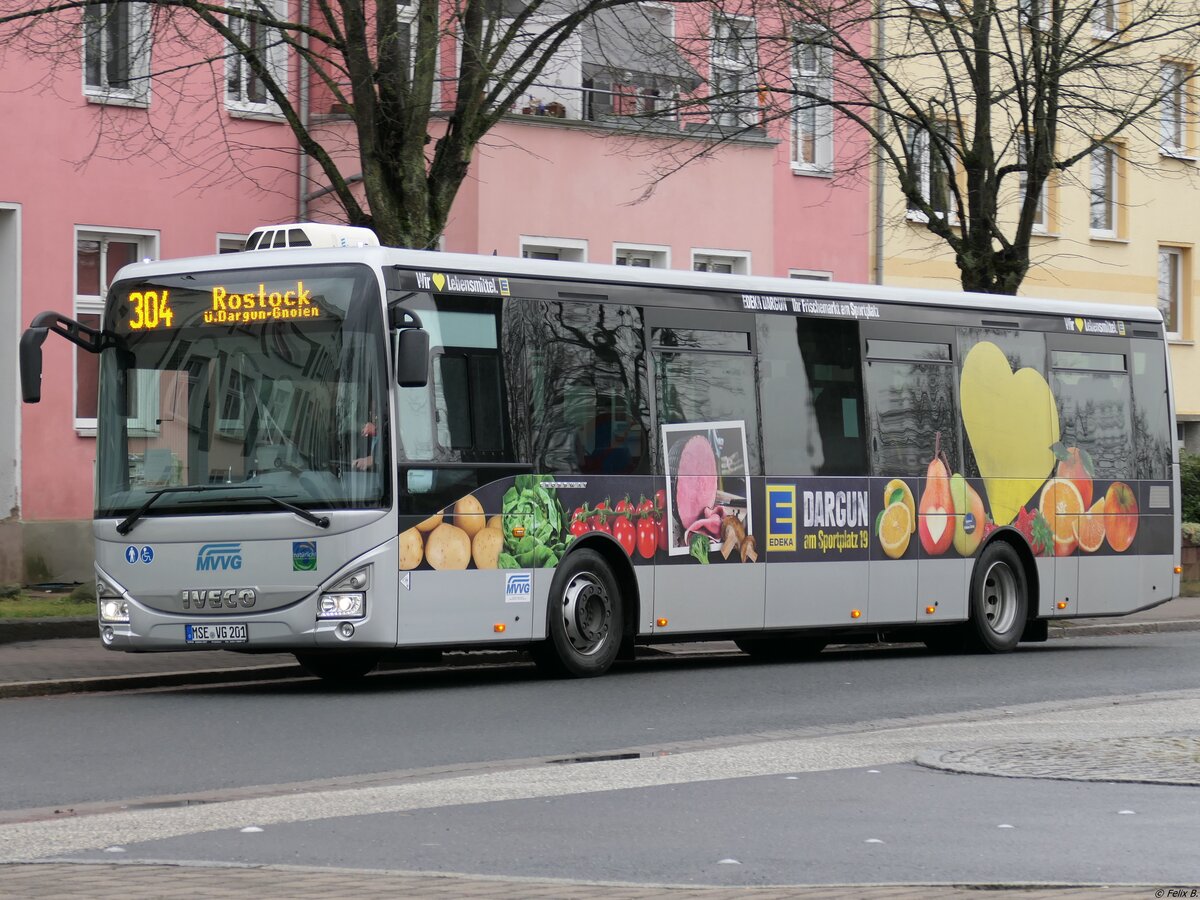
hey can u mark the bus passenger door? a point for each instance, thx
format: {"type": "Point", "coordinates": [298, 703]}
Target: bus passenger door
{"type": "Point", "coordinates": [912, 419]}
{"type": "Point", "coordinates": [708, 437]}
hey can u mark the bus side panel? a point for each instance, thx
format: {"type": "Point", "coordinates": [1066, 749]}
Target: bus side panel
{"type": "Point", "coordinates": [698, 598]}
{"type": "Point", "coordinates": [803, 594]}
{"type": "Point", "coordinates": [1045, 598]}
{"type": "Point", "coordinates": [466, 607]}
{"type": "Point", "coordinates": [944, 585]}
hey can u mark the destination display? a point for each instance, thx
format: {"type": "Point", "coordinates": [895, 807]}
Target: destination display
{"type": "Point", "coordinates": [163, 309]}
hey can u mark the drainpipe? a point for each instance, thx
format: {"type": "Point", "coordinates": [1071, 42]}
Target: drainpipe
{"type": "Point", "coordinates": [302, 157]}
{"type": "Point", "coordinates": [880, 162]}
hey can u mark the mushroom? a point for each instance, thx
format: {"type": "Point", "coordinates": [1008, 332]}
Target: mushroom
{"type": "Point", "coordinates": [749, 551]}
{"type": "Point", "coordinates": [732, 535]}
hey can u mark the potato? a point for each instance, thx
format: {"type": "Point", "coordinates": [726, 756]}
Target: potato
{"type": "Point", "coordinates": [486, 547]}
{"type": "Point", "coordinates": [448, 547]}
{"type": "Point", "coordinates": [429, 524]}
{"type": "Point", "coordinates": [412, 549]}
{"type": "Point", "coordinates": [468, 515]}
{"type": "Point", "coordinates": [495, 522]}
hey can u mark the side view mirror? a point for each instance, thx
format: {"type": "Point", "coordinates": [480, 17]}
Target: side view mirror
{"type": "Point", "coordinates": [30, 353]}
{"type": "Point", "coordinates": [412, 357]}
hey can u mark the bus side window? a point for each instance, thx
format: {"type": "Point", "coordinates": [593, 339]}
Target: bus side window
{"type": "Point", "coordinates": [910, 388]}
{"type": "Point", "coordinates": [1093, 398]}
{"type": "Point", "coordinates": [1151, 413]}
{"type": "Point", "coordinates": [828, 356]}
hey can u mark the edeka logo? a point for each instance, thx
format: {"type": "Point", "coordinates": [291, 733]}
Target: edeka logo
{"type": "Point", "coordinates": [304, 556]}
{"type": "Point", "coordinates": [781, 517]}
{"type": "Point", "coordinates": [219, 557]}
{"type": "Point", "coordinates": [518, 587]}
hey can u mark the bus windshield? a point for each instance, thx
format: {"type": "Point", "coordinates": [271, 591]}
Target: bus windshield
{"type": "Point", "coordinates": [269, 381]}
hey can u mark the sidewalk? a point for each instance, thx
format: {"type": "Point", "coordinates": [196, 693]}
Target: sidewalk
{"type": "Point", "coordinates": [52, 657]}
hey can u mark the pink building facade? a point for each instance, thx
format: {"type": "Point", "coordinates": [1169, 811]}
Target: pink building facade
{"type": "Point", "coordinates": [105, 166]}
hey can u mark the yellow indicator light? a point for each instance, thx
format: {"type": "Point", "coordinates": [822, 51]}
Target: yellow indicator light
{"type": "Point", "coordinates": [930, 610]}
{"type": "Point", "coordinates": [518, 531]}
{"type": "Point", "coordinates": [1062, 604]}
{"type": "Point", "coordinates": [661, 623]}
{"type": "Point", "coordinates": [1179, 570]}
{"type": "Point", "coordinates": [855, 613]}
{"type": "Point", "coordinates": [499, 627]}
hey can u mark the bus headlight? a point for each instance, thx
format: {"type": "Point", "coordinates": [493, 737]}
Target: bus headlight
{"type": "Point", "coordinates": [343, 605]}
{"type": "Point", "coordinates": [346, 598]}
{"type": "Point", "coordinates": [114, 609]}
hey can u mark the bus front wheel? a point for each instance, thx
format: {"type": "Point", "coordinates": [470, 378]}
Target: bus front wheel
{"type": "Point", "coordinates": [999, 600]}
{"type": "Point", "coordinates": [585, 618]}
{"type": "Point", "coordinates": [340, 668]}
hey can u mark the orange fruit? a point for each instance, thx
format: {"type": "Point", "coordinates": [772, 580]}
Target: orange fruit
{"type": "Point", "coordinates": [1090, 528]}
{"type": "Point", "coordinates": [895, 528]}
{"type": "Point", "coordinates": [1120, 505]}
{"type": "Point", "coordinates": [907, 498]}
{"type": "Point", "coordinates": [1061, 504]}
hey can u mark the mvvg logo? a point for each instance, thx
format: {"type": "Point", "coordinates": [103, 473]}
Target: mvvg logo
{"type": "Point", "coordinates": [518, 586]}
{"type": "Point", "coordinates": [217, 557]}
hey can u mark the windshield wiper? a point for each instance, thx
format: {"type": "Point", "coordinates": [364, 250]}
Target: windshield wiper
{"type": "Point", "coordinates": [127, 525]}
{"type": "Point", "coordinates": [319, 521]}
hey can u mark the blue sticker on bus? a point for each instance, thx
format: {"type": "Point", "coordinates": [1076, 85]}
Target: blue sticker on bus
{"type": "Point", "coordinates": [214, 557]}
{"type": "Point", "coordinates": [135, 554]}
{"type": "Point", "coordinates": [304, 556]}
{"type": "Point", "coordinates": [781, 517]}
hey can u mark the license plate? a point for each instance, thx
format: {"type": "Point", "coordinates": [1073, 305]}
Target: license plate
{"type": "Point", "coordinates": [215, 634]}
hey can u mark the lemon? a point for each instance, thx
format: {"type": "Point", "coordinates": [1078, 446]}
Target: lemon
{"type": "Point", "coordinates": [897, 485]}
{"type": "Point", "coordinates": [895, 529]}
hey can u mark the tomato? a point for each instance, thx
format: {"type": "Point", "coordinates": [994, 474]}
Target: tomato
{"type": "Point", "coordinates": [645, 507]}
{"type": "Point", "coordinates": [664, 533]}
{"type": "Point", "coordinates": [647, 537]}
{"type": "Point", "coordinates": [660, 500]}
{"type": "Point", "coordinates": [579, 526]}
{"type": "Point", "coordinates": [623, 531]}
{"type": "Point", "coordinates": [624, 507]}
{"type": "Point", "coordinates": [601, 523]}
{"type": "Point", "coordinates": [581, 513]}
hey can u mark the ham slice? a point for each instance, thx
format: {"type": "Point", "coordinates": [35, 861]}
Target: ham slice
{"type": "Point", "coordinates": [696, 482]}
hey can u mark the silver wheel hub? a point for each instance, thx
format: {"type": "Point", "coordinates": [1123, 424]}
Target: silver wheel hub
{"type": "Point", "coordinates": [999, 596]}
{"type": "Point", "coordinates": [587, 613]}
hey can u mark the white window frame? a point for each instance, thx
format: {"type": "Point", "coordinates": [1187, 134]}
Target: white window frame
{"type": "Point", "coordinates": [91, 304]}
{"type": "Point", "coordinates": [568, 249]}
{"type": "Point", "coordinates": [817, 78]}
{"type": "Point", "coordinates": [230, 242]}
{"type": "Point", "coordinates": [657, 256]}
{"type": "Point", "coordinates": [733, 111]}
{"type": "Point", "coordinates": [810, 275]}
{"type": "Point", "coordinates": [1104, 178]}
{"type": "Point", "coordinates": [704, 258]}
{"type": "Point", "coordinates": [1104, 16]}
{"type": "Point", "coordinates": [1174, 111]}
{"type": "Point", "coordinates": [1172, 289]}
{"type": "Point", "coordinates": [1025, 14]}
{"type": "Point", "coordinates": [1041, 224]}
{"type": "Point", "coordinates": [136, 90]}
{"type": "Point", "coordinates": [922, 150]}
{"type": "Point", "coordinates": [235, 65]}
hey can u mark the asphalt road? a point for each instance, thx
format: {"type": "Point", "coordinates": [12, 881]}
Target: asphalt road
{"type": "Point", "coordinates": [69, 751]}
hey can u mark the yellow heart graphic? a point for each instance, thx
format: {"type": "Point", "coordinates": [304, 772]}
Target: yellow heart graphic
{"type": "Point", "coordinates": [1079, 324]}
{"type": "Point", "coordinates": [439, 280]}
{"type": "Point", "coordinates": [1012, 423]}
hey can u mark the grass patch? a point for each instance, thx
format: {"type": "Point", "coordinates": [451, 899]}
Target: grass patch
{"type": "Point", "coordinates": [42, 606]}
{"type": "Point", "coordinates": [1189, 589]}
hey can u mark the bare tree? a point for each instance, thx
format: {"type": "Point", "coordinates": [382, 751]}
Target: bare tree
{"type": "Point", "coordinates": [416, 108]}
{"type": "Point", "coordinates": [970, 106]}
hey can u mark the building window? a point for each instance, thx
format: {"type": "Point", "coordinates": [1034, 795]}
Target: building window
{"type": "Point", "coordinates": [810, 275]}
{"type": "Point", "coordinates": [566, 249]}
{"type": "Point", "coordinates": [645, 256]}
{"type": "Point", "coordinates": [98, 258]}
{"type": "Point", "coordinates": [1173, 111]}
{"type": "Point", "coordinates": [231, 243]}
{"type": "Point", "coordinates": [245, 91]}
{"type": "Point", "coordinates": [734, 72]}
{"type": "Point", "coordinates": [1173, 279]}
{"type": "Point", "coordinates": [1041, 213]}
{"type": "Point", "coordinates": [1104, 18]}
{"type": "Point", "coordinates": [812, 122]}
{"type": "Point", "coordinates": [1034, 13]}
{"type": "Point", "coordinates": [721, 261]}
{"type": "Point", "coordinates": [932, 174]}
{"type": "Point", "coordinates": [116, 53]}
{"type": "Point", "coordinates": [1104, 186]}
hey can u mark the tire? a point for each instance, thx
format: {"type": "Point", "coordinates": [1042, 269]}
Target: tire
{"type": "Point", "coordinates": [339, 668]}
{"type": "Point", "coordinates": [999, 600]}
{"type": "Point", "coordinates": [586, 618]}
{"type": "Point", "coordinates": [781, 649]}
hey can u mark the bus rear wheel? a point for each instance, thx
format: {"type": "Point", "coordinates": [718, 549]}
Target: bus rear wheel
{"type": "Point", "coordinates": [586, 618]}
{"type": "Point", "coordinates": [339, 668]}
{"type": "Point", "coordinates": [999, 600]}
{"type": "Point", "coordinates": [781, 649]}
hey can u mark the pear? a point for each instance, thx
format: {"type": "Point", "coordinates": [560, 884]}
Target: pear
{"type": "Point", "coordinates": [935, 515]}
{"type": "Point", "coordinates": [968, 516]}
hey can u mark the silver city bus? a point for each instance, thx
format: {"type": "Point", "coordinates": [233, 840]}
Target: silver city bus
{"type": "Point", "coordinates": [347, 451]}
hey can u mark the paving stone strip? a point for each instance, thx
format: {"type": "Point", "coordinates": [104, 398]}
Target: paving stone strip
{"type": "Point", "coordinates": [1163, 759]}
